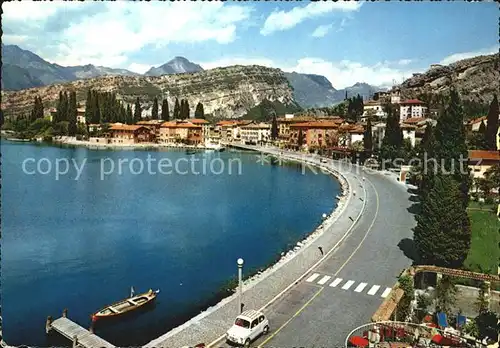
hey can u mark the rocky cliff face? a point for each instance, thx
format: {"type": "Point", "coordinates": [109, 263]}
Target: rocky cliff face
{"type": "Point", "coordinates": [225, 92]}
{"type": "Point", "coordinates": [476, 79]}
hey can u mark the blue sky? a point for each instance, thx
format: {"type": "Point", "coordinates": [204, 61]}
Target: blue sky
{"type": "Point", "coordinates": [348, 42]}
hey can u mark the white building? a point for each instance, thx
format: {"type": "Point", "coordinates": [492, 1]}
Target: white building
{"type": "Point", "coordinates": [378, 133]}
{"type": "Point", "coordinates": [373, 109]}
{"type": "Point", "coordinates": [409, 133]}
{"type": "Point", "coordinates": [255, 133]}
{"type": "Point", "coordinates": [411, 108]}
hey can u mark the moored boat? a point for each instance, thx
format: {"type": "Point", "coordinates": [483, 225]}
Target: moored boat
{"type": "Point", "coordinates": [126, 306]}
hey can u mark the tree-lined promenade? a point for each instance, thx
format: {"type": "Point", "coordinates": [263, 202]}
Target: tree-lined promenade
{"type": "Point", "coordinates": [100, 108]}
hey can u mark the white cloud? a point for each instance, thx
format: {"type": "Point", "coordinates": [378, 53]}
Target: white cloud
{"type": "Point", "coordinates": [464, 55]}
{"type": "Point", "coordinates": [36, 10]}
{"type": "Point", "coordinates": [140, 68]}
{"type": "Point", "coordinates": [322, 30]}
{"type": "Point", "coordinates": [283, 20]}
{"type": "Point", "coordinates": [122, 27]}
{"type": "Point", "coordinates": [405, 61]}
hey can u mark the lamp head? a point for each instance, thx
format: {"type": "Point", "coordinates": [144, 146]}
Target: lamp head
{"type": "Point", "coordinates": [240, 262]}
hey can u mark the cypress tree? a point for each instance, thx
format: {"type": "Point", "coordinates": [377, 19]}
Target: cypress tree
{"type": "Point", "coordinates": [65, 107]}
{"type": "Point", "coordinates": [368, 137]}
{"type": "Point", "coordinates": [393, 138]}
{"type": "Point", "coordinates": [199, 112]}
{"type": "Point", "coordinates": [88, 107]}
{"type": "Point", "coordinates": [96, 112]}
{"type": "Point", "coordinates": [442, 235]}
{"type": "Point", "coordinates": [451, 146]}
{"type": "Point", "coordinates": [492, 127]}
{"type": "Point", "coordinates": [59, 109]}
{"type": "Point", "coordinates": [274, 128]}
{"type": "Point", "coordinates": [40, 110]}
{"type": "Point", "coordinates": [187, 111]}
{"type": "Point", "coordinates": [165, 113]}
{"type": "Point", "coordinates": [177, 109]}
{"type": "Point", "coordinates": [72, 113]}
{"type": "Point", "coordinates": [427, 168]}
{"type": "Point", "coordinates": [154, 112]}
{"type": "Point", "coordinates": [300, 138]}
{"type": "Point", "coordinates": [137, 111]}
{"type": "Point", "coordinates": [129, 119]}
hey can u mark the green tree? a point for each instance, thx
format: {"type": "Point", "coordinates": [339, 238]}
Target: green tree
{"type": "Point", "coordinates": [478, 139]}
{"type": "Point", "coordinates": [427, 168]}
{"type": "Point", "coordinates": [492, 127]}
{"type": "Point", "coordinates": [442, 235]}
{"type": "Point", "coordinates": [129, 116]}
{"type": "Point", "coordinates": [72, 114]}
{"type": "Point", "coordinates": [451, 147]}
{"type": "Point", "coordinates": [165, 113]}
{"type": "Point", "coordinates": [154, 112]}
{"type": "Point", "coordinates": [403, 309]}
{"type": "Point", "coordinates": [274, 128]}
{"type": "Point", "coordinates": [177, 109]}
{"type": "Point", "coordinates": [96, 111]}
{"type": "Point", "coordinates": [482, 302]}
{"type": "Point", "coordinates": [393, 138]}
{"type": "Point", "coordinates": [184, 110]}
{"type": "Point", "coordinates": [199, 112]}
{"type": "Point", "coordinates": [487, 324]}
{"type": "Point", "coordinates": [37, 111]}
{"type": "Point", "coordinates": [368, 137]}
{"type": "Point", "coordinates": [137, 110]}
{"type": "Point", "coordinates": [446, 294]}
{"type": "Point", "coordinates": [88, 107]}
{"type": "Point", "coordinates": [300, 139]}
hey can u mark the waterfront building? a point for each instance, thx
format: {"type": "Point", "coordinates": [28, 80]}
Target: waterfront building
{"type": "Point", "coordinates": [230, 130]}
{"type": "Point", "coordinates": [153, 125]}
{"type": "Point", "coordinates": [173, 132]}
{"type": "Point", "coordinates": [316, 134]}
{"type": "Point", "coordinates": [205, 127]}
{"type": "Point", "coordinates": [285, 122]}
{"type": "Point", "coordinates": [256, 133]}
{"type": "Point", "coordinates": [129, 134]}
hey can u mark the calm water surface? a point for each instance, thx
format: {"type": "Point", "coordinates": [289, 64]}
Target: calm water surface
{"type": "Point", "coordinates": [80, 244]}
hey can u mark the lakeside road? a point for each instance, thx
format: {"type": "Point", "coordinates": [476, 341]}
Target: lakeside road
{"type": "Point", "coordinates": [362, 260]}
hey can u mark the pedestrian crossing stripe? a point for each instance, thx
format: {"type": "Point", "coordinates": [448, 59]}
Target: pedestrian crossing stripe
{"type": "Point", "coordinates": [374, 290]}
{"type": "Point", "coordinates": [360, 287]}
{"type": "Point", "coordinates": [336, 282]}
{"type": "Point", "coordinates": [312, 278]}
{"type": "Point", "coordinates": [386, 292]}
{"type": "Point", "coordinates": [322, 280]}
{"type": "Point", "coordinates": [348, 284]}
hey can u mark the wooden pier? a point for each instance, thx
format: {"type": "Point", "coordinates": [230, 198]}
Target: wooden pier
{"type": "Point", "coordinates": [81, 337]}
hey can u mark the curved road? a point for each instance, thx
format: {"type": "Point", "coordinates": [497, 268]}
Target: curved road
{"type": "Point", "coordinates": [346, 289]}
{"type": "Point", "coordinates": [339, 293]}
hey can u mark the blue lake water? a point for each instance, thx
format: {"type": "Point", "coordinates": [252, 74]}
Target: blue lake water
{"type": "Point", "coordinates": [80, 244]}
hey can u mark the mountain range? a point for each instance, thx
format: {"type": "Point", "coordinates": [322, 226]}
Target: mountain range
{"type": "Point", "coordinates": [24, 69]}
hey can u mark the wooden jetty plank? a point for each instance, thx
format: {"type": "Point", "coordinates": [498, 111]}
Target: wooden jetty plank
{"type": "Point", "coordinates": [70, 329]}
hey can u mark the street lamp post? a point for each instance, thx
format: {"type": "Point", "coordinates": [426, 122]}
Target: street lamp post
{"type": "Point", "coordinates": [240, 285]}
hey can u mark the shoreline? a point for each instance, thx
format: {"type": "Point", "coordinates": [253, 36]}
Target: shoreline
{"type": "Point", "coordinates": [285, 257]}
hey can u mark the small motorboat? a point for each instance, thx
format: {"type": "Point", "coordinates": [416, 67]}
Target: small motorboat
{"type": "Point", "coordinates": [128, 305]}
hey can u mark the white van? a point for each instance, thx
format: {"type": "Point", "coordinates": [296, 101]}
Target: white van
{"type": "Point", "coordinates": [247, 327]}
